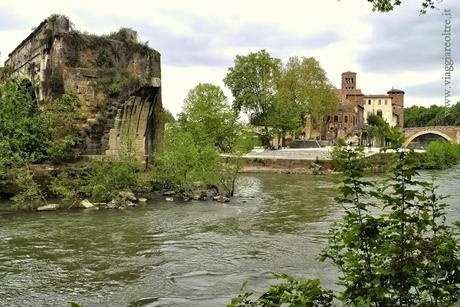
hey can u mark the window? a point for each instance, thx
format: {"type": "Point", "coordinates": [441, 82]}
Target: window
{"type": "Point", "coordinates": [386, 102]}
{"type": "Point", "coordinates": [345, 119]}
{"type": "Point", "coordinates": [336, 118]}
{"type": "Point", "coordinates": [380, 101]}
{"type": "Point", "coordinates": [379, 113]}
{"type": "Point", "coordinates": [328, 119]}
{"type": "Point", "coordinates": [369, 101]}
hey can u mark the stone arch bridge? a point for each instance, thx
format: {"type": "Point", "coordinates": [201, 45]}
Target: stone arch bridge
{"type": "Point", "coordinates": [420, 135]}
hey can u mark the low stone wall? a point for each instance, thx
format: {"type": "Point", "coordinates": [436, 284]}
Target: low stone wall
{"type": "Point", "coordinates": [297, 165]}
{"type": "Point", "coordinates": [252, 165]}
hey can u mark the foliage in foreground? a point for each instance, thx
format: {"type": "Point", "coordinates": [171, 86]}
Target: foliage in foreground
{"type": "Point", "coordinates": [296, 292]}
{"type": "Point", "coordinates": [393, 246]}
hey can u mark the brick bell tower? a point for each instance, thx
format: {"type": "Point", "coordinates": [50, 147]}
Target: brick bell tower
{"type": "Point", "coordinates": [348, 80]}
{"type": "Point", "coordinates": [398, 104]}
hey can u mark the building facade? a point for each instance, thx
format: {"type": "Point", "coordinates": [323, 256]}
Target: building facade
{"type": "Point", "coordinates": [349, 121]}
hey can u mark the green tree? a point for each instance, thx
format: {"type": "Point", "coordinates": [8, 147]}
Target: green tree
{"type": "Point", "coordinates": [252, 81]}
{"type": "Point", "coordinates": [285, 118]}
{"type": "Point", "coordinates": [206, 127]}
{"type": "Point", "coordinates": [24, 130]}
{"type": "Point", "coordinates": [183, 164]}
{"type": "Point", "coordinates": [209, 118]}
{"type": "Point", "coordinates": [418, 116]}
{"type": "Point", "coordinates": [29, 133]}
{"type": "Point", "coordinates": [303, 89]}
{"type": "Point", "coordinates": [168, 117]}
{"type": "Point", "coordinates": [377, 128]}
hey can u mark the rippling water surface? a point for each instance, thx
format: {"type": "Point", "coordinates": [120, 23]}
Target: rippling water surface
{"type": "Point", "coordinates": [176, 254]}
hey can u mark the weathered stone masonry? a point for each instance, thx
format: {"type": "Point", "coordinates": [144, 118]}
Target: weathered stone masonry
{"type": "Point", "coordinates": [117, 79]}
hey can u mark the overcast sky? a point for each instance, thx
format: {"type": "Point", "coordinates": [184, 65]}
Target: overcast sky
{"type": "Point", "coordinates": [198, 40]}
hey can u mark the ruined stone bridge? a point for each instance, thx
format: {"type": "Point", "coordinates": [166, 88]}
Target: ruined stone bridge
{"type": "Point", "coordinates": [421, 136]}
{"type": "Point", "coordinates": [117, 79]}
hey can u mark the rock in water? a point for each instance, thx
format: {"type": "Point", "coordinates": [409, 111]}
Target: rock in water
{"type": "Point", "coordinates": [111, 205]}
{"type": "Point", "coordinates": [49, 207]}
{"type": "Point", "coordinates": [169, 199]}
{"type": "Point", "coordinates": [130, 204]}
{"type": "Point", "coordinates": [221, 199]}
{"type": "Point", "coordinates": [124, 195]}
{"type": "Point", "coordinates": [142, 200]}
{"type": "Point", "coordinates": [86, 204]}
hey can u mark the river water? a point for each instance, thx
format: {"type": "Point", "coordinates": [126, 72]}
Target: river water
{"type": "Point", "coordinates": [177, 254]}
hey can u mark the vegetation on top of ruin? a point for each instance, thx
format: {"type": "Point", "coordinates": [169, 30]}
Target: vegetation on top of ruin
{"type": "Point", "coordinates": [79, 41]}
{"type": "Point", "coordinates": [115, 82]}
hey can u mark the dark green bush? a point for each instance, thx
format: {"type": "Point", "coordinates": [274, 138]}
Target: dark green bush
{"type": "Point", "coordinates": [441, 154]}
{"type": "Point", "coordinates": [109, 177]}
{"type": "Point", "coordinates": [294, 292]}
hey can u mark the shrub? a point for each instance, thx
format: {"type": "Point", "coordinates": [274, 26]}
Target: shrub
{"type": "Point", "coordinates": [441, 154]}
{"type": "Point", "coordinates": [67, 185]}
{"type": "Point", "coordinates": [30, 194]}
{"type": "Point", "coordinates": [108, 177]}
{"type": "Point", "coordinates": [295, 292]}
{"type": "Point", "coordinates": [116, 84]}
{"type": "Point", "coordinates": [183, 163]}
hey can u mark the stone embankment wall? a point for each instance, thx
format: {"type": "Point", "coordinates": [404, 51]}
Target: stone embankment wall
{"type": "Point", "coordinates": [117, 79]}
{"type": "Point", "coordinates": [273, 165]}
